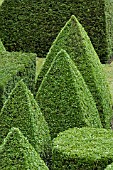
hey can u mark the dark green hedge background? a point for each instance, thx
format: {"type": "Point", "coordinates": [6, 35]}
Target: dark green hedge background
{"type": "Point", "coordinates": [31, 26]}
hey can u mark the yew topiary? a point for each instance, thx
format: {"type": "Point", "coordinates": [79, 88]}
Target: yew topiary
{"type": "Point", "coordinates": [74, 39]}
{"type": "Point", "coordinates": [17, 153]}
{"type": "Point", "coordinates": [21, 110]}
{"type": "Point", "coordinates": [64, 98]}
{"type": "Point", "coordinates": [15, 66]}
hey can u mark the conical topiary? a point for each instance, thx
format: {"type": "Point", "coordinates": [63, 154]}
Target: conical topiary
{"type": "Point", "coordinates": [74, 39]}
{"type": "Point", "coordinates": [15, 66]}
{"type": "Point", "coordinates": [64, 98]}
{"type": "Point", "coordinates": [22, 111]}
{"type": "Point", "coordinates": [17, 153]}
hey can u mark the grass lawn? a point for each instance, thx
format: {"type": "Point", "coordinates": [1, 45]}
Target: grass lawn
{"type": "Point", "coordinates": [109, 74]}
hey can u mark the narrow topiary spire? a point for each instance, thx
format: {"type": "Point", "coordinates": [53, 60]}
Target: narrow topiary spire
{"type": "Point", "coordinates": [2, 48]}
{"type": "Point", "coordinates": [17, 153]}
{"type": "Point", "coordinates": [74, 39]}
{"type": "Point", "coordinates": [22, 111]}
{"type": "Point", "coordinates": [64, 98]}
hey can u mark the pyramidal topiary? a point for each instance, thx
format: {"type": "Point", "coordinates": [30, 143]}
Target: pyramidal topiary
{"type": "Point", "coordinates": [2, 48]}
{"type": "Point", "coordinates": [17, 153]}
{"type": "Point", "coordinates": [64, 98]}
{"type": "Point", "coordinates": [21, 110]}
{"type": "Point", "coordinates": [74, 39]}
{"type": "Point", "coordinates": [15, 66]}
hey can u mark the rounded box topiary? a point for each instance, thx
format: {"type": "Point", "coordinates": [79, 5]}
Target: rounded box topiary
{"type": "Point", "coordinates": [83, 148]}
{"type": "Point", "coordinates": [64, 98]}
{"type": "Point", "coordinates": [17, 153]}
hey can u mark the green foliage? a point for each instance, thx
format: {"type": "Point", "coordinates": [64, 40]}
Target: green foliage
{"type": "Point", "coordinates": [32, 26]}
{"type": "Point", "coordinates": [109, 167]}
{"type": "Point", "coordinates": [2, 48]}
{"type": "Point", "coordinates": [21, 110]}
{"type": "Point", "coordinates": [17, 153]}
{"type": "Point", "coordinates": [83, 149]}
{"type": "Point", "coordinates": [76, 42]}
{"type": "Point", "coordinates": [15, 66]}
{"type": "Point", "coordinates": [64, 98]}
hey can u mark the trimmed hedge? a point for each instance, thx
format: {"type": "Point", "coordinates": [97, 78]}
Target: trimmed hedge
{"type": "Point", "coordinates": [64, 98]}
{"type": "Point", "coordinates": [83, 148]}
{"type": "Point", "coordinates": [21, 110]}
{"type": "Point", "coordinates": [2, 48]}
{"type": "Point", "coordinates": [15, 66]}
{"type": "Point", "coordinates": [74, 39]}
{"type": "Point", "coordinates": [17, 153]}
{"type": "Point", "coordinates": [32, 26]}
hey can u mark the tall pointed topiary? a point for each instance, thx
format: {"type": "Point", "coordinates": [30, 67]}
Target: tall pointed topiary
{"type": "Point", "coordinates": [64, 98]}
{"type": "Point", "coordinates": [2, 48]}
{"type": "Point", "coordinates": [22, 111]}
{"type": "Point", "coordinates": [15, 66]}
{"type": "Point", "coordinates": [17, 153]}
{"type": "Point", "coordinates": [74, 39]}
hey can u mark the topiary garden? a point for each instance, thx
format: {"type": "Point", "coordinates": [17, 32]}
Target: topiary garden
{"type": "Point", "coordinates": [64, 98]}
{"type": "Point", "coordinates": [74, 39]}
{"type": "Point", "coordinates": [55, 118]}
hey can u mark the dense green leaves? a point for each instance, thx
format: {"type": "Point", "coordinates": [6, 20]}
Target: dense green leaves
{"type": "Point", "coordinates": [22, 111]}
{"type": "Point", "coordinates": [32, 26]}
{"type": "Point", "coordinates": [109, 167]}
{"type": "Point", "coordinates": [64, 98]}
{"type": "Point", "coordinates": [74, 39]}
{"type": "Point", "coordinates": [17, 153]}
{"type": "Point", "coordinates": [83, 149]}
{"type": "Point", "coordinates": [15, 66]}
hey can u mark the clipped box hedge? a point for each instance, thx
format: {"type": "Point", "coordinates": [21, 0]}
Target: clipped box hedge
{"type": "Point", "coordinates": [32, 26]}
{"type": "Point", "coordinates": [74, 39]}
{"type": "Point", "coordinates": [64, 98]}
{"type": "Point", "coordinates": [15, 66]}
{"type": "Point", "coordinates": [21, 110]}
{"type": "Point", "coordinates": [83, 148]}
{"type": "Point", "coordinates": [17, 153]}
{"type": "Point", "coordinates": [2, 48]}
